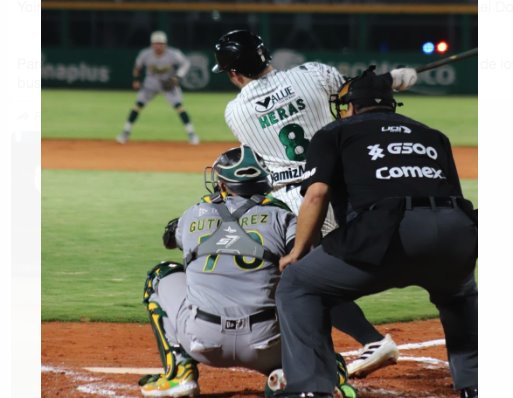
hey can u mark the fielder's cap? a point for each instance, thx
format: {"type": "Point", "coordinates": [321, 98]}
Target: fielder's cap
{"type": "Point", "coordinates": [158, 37]}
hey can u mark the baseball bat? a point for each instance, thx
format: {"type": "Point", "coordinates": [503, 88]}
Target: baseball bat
{"type": "Point", "coordinates": [448, 60]}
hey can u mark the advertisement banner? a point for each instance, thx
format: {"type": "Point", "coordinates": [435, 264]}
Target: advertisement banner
{"type": "Point", "coordinates": [112, 69]}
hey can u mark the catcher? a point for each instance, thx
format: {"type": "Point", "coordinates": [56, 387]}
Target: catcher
{"type": "Point", "coordinates": [219, 308]}
{"type": "Point", "coordinates": [165, 66]}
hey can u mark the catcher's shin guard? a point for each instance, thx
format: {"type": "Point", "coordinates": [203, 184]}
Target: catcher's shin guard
{"type": "Point", "coordinates": [157, 273]}
{"type": "Point", "coordinates": [346, 389]}
{"type": "Point", "coordinates": [167, 355]}
{"type": "Point", "coordinates": [156, 314]}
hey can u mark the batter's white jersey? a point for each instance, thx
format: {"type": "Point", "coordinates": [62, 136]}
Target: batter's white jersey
{"type": "Point", "coordinates": [278, 114]}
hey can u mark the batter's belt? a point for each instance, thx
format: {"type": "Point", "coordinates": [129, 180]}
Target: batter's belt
{"type": "Point", "coordinates": [262, 316]}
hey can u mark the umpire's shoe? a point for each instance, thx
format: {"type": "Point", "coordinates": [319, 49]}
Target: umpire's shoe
{"type": "Point", "coordinates": [374, 356]}
{"type": "Point", "coordinates": [184, 384]}
{"type": "Point", "coordinates": [469, 392]}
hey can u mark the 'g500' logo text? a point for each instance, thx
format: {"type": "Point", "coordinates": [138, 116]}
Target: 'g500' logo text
{"type": "Point", "coordinates": [407, 148]}
{"type": "Point", "coordinates": [402, 148]}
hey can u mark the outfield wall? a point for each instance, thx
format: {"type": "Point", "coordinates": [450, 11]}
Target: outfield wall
{"type": "Point", "coordinates": [112, 69]}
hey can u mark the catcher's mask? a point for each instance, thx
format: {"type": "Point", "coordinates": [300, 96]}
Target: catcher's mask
{"type": "Point", "coordinates": [366, 90]}
{"type": "Point", "coordinates": [241, 169]}
{"type": "Point", "coordinates": [241, 51]}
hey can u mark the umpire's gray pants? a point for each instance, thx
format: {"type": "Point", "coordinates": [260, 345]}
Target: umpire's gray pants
{"type": "Point", "coordinates": [436, 250]}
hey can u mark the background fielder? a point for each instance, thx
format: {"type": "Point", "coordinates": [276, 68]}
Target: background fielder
{"type": "Point", "coordinates": [277, 113]}
{"type": "Point", "coordinates": [164, 67]}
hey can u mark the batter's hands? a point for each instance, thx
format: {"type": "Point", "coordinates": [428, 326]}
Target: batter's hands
{"type": "Point", "coordinates": [136, 84]}
{"type": "Point", "coordinates": [403, 78]}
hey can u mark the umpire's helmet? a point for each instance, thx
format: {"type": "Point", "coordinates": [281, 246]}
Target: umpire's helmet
{"type": "Point", "coordinates": [365, 90]}
{"type": "Point", "coordinates": [242, 170]}
{"type": "Point", "coordinates": [241, 51]}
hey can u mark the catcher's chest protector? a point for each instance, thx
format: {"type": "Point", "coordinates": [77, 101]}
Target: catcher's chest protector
{"type": "Point", "coordinates": [230, 238]}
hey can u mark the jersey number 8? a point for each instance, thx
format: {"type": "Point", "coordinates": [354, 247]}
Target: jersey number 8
{"type": "Point", "coordinates": [292, 136]}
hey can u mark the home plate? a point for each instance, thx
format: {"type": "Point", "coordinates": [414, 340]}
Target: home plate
{"type": "Point", "coordinates": [134, 371]}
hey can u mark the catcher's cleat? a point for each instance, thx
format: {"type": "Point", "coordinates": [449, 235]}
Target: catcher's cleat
{"type": "Point", "coordinates": [183, 384]}
{"type": "Point", "coordinates": [374, 356]}
{"type": "Point", "coordinates": [193, 138]}
{"type": "Point", "coordinates": [123, 137]}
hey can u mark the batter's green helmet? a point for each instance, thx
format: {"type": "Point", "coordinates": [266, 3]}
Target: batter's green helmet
{"type": "Point", "coordinates": [242, 170]}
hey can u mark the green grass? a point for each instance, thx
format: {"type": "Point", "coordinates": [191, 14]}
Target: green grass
{"type": "Point", "coordinates": [102, 114]}
{"type": "Point", "coordinates": [101, 233]}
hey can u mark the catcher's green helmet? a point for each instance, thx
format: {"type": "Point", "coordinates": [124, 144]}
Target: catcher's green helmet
{"type": "Point", "coordinates": [242, 170]}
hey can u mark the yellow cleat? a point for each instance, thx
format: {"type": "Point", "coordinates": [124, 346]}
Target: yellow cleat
{"type": "Point", "coordinates": [185, 383]}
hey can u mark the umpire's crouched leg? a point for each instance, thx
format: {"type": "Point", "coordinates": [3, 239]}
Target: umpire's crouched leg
{"type": "Point", "coordinates": [307, 352]}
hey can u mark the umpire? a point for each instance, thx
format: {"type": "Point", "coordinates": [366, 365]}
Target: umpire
{"type": "Point", "coordinates": [395, 190]}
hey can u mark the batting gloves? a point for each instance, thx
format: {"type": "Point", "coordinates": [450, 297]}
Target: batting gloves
{"type": "Point", "coordinates": [403, 78]}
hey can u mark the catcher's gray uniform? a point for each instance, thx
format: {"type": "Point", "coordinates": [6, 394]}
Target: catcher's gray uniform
{"type": "Point", "coordinates": [159, 70]}
{"type": "Point", "coordinates": [236, 293]}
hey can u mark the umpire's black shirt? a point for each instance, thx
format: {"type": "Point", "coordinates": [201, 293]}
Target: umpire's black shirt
{"type": "Point", "coordinates": [376, 155]}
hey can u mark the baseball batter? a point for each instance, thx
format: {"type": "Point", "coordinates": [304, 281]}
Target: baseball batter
{"type": "Point", "coordinates": [277, 113]}
{"type": "Point", "coordinates": [221, 311]}
{"type": "Point", "coordinates": [164, 67]}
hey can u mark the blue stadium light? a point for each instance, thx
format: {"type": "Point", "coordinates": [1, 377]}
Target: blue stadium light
{"type": "Point", "coordinates": [428, 47]}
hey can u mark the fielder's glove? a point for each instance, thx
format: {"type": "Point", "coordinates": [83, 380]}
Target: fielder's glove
{"type": "Point", "coordinates": [171, 83]}
{"type": "Point", "coordinates": [169, 238]}
{"type": "Point", "coordinates": [403, 78]}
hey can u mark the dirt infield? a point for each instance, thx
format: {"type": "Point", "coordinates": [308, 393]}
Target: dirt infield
{"type": "Point", "coordinates": [167, 156]}
{"type": "Point", "coordinates": [105, 360]}
{"type": "Point", "coordinates": [69, 348]}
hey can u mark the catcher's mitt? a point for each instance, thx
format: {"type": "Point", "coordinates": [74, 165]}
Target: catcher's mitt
{"type": "Point", "coordinates": [171, 83]}
{"type": "Point", "coordinates": [168, 238]}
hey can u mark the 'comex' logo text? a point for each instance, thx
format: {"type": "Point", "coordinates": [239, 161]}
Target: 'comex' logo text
{"type": "Point", "coordinates": [396, 129]}
{"type": "Point", "coordinates": [387, 173]}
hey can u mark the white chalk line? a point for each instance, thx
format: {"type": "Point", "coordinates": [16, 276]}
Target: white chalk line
{"type": "Point", "coordinates": [109, 389]}
{"type": "Point", "coordinates": [93, 385]}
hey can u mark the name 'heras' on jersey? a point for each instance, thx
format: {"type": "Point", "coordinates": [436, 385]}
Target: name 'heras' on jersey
{"type": "Point", "coordinates": [281, 113]}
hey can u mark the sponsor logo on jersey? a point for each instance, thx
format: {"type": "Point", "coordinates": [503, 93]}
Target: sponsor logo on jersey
{"type": "Point", "coordinates": [291, 174]}
{"type": "Point", "coordinates": [396, 129]}
{"type": "Point", "coordinates": [387, 173]}
{"type": "Point", "coordinates": [402, 148]}
{"type": "Point", "coordinates": [407, 148]}
{"type": "Point", "coordinates": [228, 240]}
{"type": "Point", "coordinates": [230, 230]}
{"type": "Point", "coordinates": [281, 113]}
{"type": "Point", "coordinates": [267, 104]}
{"type": "Point", "coordinates": [375, 152]}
